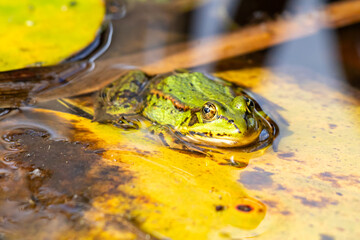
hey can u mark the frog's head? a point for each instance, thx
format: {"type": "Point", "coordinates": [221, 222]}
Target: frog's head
{"type": "Point", "coordinates": [224, 125]}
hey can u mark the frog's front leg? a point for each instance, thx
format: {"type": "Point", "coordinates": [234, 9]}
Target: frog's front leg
{"type": "Point", "coordinates": [170, 138]}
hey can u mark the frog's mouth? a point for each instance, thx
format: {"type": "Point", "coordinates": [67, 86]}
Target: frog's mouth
{"type": "Point", "coordinates": [220, 141]}
{"type": "Point", "coordinates": [231, 139]}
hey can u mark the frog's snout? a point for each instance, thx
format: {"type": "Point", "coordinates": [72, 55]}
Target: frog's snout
{"type": "Point", "coordinates": [239, 102]}
{"type": "Point", "coordinates": [243, 103]}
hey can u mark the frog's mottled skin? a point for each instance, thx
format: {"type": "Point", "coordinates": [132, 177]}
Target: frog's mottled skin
{"type": "Point", "coordinates": [197, 109]}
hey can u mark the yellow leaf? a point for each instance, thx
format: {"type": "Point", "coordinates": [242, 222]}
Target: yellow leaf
{"type": "Point", "coordinates": [41, 32]}
{"type": "Point", "coordinates": [172, 190]}
{"type": "Point", "coordinates": [311, 183]}
{"type": "Point", "coordinates": [306, 190]}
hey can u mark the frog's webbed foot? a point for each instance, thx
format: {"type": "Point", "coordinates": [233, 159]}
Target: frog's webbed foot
{"type": "Point", "coordinates": [175, 140]}
{"type": "Point", "coordinates": [166, 135]}
{"type": "Point", "coordinates": [126, 124]}
{"type": "Point", "coordinates": [121, 121]}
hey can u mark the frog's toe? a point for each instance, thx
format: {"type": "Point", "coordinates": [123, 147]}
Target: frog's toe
{"type": "Point", "coordinates": [125, 124]}
{"type": "Point", "coordinates": [171, 139]}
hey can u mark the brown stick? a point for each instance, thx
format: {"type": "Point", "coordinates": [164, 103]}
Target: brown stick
{"type": "Point", "coordinates": [190, 54]}
{"type": "Point", "coordinates": [255, 38]}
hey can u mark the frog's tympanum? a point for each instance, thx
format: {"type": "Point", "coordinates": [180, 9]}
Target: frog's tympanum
{"type": "Point", "coordinates": [191, 106]}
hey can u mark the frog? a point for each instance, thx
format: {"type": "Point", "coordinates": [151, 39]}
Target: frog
{"type": "Point", "coordinates": [190, 106]}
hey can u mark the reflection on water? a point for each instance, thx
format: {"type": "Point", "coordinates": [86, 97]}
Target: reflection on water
{"type": "Point", "coordinates": [79, 177]}
{"type": "Point", "coordinates": [318, 52]}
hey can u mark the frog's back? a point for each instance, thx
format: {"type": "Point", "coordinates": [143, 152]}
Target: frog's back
{"type": "Point", "coordinates": [195, 88]}
{"type": "Point", "coordinates": [123, 96]}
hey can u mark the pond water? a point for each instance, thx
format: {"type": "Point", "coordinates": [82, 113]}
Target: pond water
{"type": "Point", "coordinates": [63, 176]}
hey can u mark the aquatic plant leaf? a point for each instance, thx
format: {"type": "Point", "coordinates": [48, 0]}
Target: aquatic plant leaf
{"type": "Point", "coordinates": [303, 186]}
{"type": "Point", "coordinates": [311, 184]}
{"type": "Point", "coordinates": [157, 190]}
{"type": "Point", "coordinates": [40, 32]}
{"type": "Point", "coordinates": [171, 190]}
{"type": "Point", "coordinates": [308, 189]}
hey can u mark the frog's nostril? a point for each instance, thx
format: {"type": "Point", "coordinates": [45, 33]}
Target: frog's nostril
{"type": "Point", "coordinates": [250, 103]}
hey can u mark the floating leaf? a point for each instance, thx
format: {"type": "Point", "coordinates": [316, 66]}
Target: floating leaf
{"type": "Point", "coordinates": [311, 183]}
{"type": "Point", "coordinates": [135, 186]}
{"type": "Point", "coordinates": [40, 32]}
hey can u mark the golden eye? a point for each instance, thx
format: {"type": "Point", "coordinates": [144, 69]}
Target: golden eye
{"type": "Point", "coordinates": [208, 111]}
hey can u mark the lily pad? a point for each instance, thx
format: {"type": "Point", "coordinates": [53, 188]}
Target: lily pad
{"type": "Point", "coordinates": [97, 181]}
{"type": "Point", "coordinates": [40, 32]}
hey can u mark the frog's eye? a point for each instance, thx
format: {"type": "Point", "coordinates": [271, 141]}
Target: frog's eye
{"type": "Point", "coordinates": [208, 111]}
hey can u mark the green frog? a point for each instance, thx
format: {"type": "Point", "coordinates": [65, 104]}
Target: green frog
{"type": "Point", "coordinates": [191, 107]}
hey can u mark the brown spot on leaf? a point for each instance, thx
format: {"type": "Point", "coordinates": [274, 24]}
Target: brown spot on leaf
{"type": "Point", "coordinates": [219, 208]}
{"type": "Point", "coordinates": [285, 155]}
{"type": "Point", "coordinates": [256, 179]}
{"type": "Point", "coordinates": [244, 208]}
{"type": "Point", "coordinates": [326, 237]}
{"type": "Point", "coordinates": [270, 203]}
{"type": "Point", "coordinates": [285, 213]}
{"type": "Point", "coordinates": [337, 179]}
{"type": "Point", "coordinates": [323, 202]}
